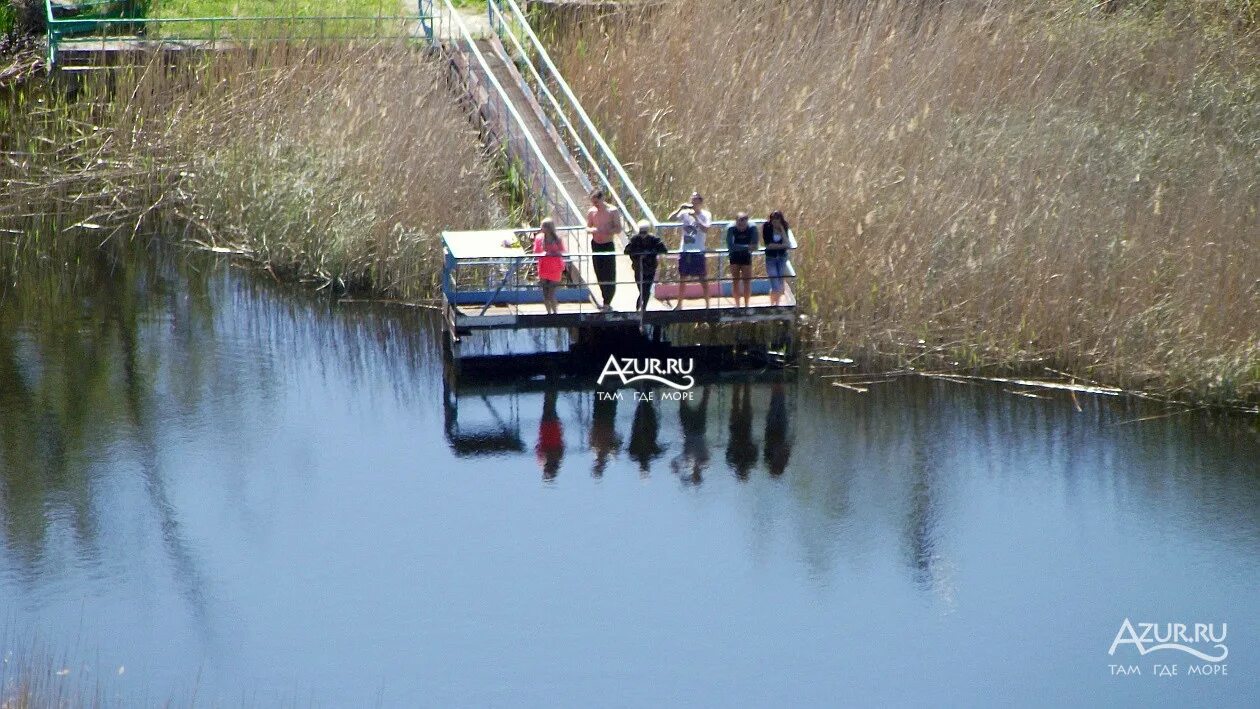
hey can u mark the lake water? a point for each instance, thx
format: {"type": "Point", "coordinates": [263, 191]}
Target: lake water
{"type": "Point", "coordinates": [214, 489]}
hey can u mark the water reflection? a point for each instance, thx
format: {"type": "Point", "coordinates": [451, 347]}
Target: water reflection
{"type": "Point", "coordinates": [74, 376]}
{"type": "Point", "coordinates": [693, 421]}
{"type": "Point", "coordinates": [644, 447]}
{"type": "Point", "coordinates": [500, 434]}
{"type": "Point", "coordinates": [923, 518]}
{"type": "Point", "coordinates": [778, 447]}
{"type": "Point", "coordinates": [550, 447]}
{"type": "Point", "coordinates": [741, 451]}
{"type": "Point", "coordinates": [483, 419]}
{"type": "Point", "coordinates": [604, 440]}
{"type": "Point", "coordinates": [195, 464]}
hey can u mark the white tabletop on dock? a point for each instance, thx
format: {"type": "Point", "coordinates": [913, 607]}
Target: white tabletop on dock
{"type": "Point", "coordinates": [482, 244]}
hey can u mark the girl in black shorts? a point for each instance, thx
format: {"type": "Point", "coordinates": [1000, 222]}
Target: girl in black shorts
{"type": "Point", "coordinates": [741, 239]}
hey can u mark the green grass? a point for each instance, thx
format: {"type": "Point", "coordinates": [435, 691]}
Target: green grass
{"type": "Point", "coordinates": [283, 8]}
{"type": "Point", "coordinates": [295, 19]}
{"type": "Point", "coordinates": [303, 18]}
{"type": "Point", "coordinates": [8, 18]}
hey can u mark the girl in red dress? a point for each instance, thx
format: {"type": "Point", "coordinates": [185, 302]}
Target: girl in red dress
{"type": "Point", "coordinates": [550, 248]}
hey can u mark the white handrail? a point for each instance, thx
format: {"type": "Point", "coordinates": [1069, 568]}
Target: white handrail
{"type": "Point", "coordinates": [542, 85]}
{"type": "Point", "coordinates": [792, 243]}
{"type": "Point", "coordinates": [494, 81]}
{"type": "Point", "coordinates": [577, 106]}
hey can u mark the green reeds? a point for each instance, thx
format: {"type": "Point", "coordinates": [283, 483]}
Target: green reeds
{"type": "Point", "coordinates": [339, 164]}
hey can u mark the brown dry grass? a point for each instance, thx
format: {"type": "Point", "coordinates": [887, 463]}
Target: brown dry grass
{"type": "Point", "coordinates": [1011, 185]}
{"type": "Point", "coordinates": [336, 164]}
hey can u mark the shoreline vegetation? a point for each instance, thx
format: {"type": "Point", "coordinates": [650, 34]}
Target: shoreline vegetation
{"type": "Point", "coordinates": [333, 164]}
{"type": "Point", "coordinates": [1003, 186]}
{"type": "Point", "coordinates": [980, 187]}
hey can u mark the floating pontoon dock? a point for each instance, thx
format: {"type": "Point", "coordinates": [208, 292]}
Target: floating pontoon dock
{"type": "Point", "coordinates": [489, 282]}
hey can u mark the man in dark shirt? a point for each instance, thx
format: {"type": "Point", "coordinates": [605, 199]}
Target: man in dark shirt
{"type": "Point", "coordinates": [643, 249]}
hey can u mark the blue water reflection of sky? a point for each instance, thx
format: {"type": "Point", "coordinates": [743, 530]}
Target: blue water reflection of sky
{"type": "Point", "coordinates": [279, 512]}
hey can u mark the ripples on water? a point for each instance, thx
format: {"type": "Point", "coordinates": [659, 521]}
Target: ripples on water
{"type": "Point", "coordinates": [237, 491]}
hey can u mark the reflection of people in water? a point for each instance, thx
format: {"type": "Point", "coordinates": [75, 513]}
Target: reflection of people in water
{"type": "Point", "coordinates": [777, 446]}
{"type": "Point", "coordinates": [550, 448]}
{"type": "Point", "coordinates": [741, 451]}
{"type": "Point", "coordinates": [695, 452]}
{"type": "Point", "coordinates": [604, 440]}
{"type": "Point", "coordinates": [643, 447]}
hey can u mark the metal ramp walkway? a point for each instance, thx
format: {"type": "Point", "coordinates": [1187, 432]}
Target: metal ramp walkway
{"type": "Point", "coordinates": [571, 180]}
{"type": "Point", "coordinates": [527, 110]}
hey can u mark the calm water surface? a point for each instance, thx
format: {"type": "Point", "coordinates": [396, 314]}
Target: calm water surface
{"type": "Point", "coordinates": [239, 494]}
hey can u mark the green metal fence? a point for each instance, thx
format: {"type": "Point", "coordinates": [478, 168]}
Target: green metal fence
{"type": "Point", "coordinates": [122, 23]}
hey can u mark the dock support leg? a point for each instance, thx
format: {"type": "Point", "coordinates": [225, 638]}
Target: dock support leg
{"type": "Point", "coordinates": [451, 343]}
{"type": "Point", "coordinates": [451, 350]}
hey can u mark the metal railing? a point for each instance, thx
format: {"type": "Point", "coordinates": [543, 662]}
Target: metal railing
{"type": "Point", "coordinates": [209, 32]}
{"type": "Point", "coordinates": [563, 106]}
{"type": "Point", "coordinates": [515, 277]}
{"type": "Point", "coordinates": [510, 282]}
{"type": "Point", "coordinates": [534, 155]}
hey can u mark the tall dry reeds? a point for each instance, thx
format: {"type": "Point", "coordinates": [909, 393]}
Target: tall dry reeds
{"type": "Point", "coordinates": [335, 163]}
{"type": "Point", "coordinates": [1012, 183]}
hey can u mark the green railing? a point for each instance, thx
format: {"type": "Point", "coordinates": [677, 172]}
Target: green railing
{"type": "Point", "coordinates": [117, 22]}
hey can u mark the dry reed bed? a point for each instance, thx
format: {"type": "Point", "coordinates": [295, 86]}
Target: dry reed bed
{"type": "Point", "coordinates": [1009, 185]}
{"type": "Point", "coordinates": [338, 164]}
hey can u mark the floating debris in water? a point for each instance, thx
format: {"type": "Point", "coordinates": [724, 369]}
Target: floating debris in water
{"type": "Point", "coordinates": [1027, 394]}
{"type": "Point", "coordinates": [832, 360]}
